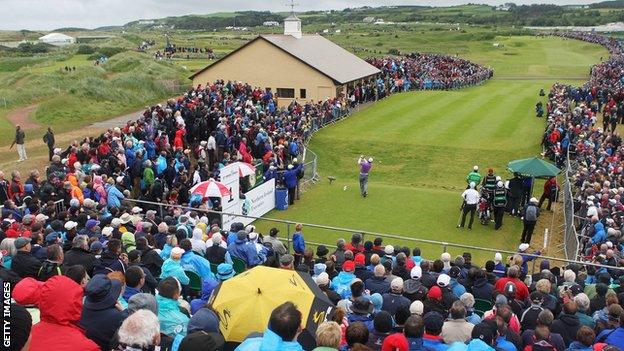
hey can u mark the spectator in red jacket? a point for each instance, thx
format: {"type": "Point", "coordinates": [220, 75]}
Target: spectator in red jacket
{"type": "Point", "coordinates": [60, 303]}
{"type": "Point", "coordinates": [522, 292]}
{"type": "Point", "coordinates": [550, 192]}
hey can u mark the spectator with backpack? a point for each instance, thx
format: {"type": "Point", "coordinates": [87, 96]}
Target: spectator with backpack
{"type": "Point", "coordinates": [529, 219]}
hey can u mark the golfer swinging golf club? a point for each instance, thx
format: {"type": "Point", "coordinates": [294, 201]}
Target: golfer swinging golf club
{"type": "Point", "coordinates": [365, 167]}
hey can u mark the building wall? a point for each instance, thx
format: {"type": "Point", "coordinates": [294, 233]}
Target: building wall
{"type": "Point", "coordinates": [263, 65]}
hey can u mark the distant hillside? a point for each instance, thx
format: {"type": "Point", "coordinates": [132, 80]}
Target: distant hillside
{"type": "Point", "coordinates": [510, 14]}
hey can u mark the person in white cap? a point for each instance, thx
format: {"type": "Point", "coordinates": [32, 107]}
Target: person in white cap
{"type": "Point", "coordinates": [473, 176]}
{"type": "Point", "coordinates": [365, 168]}
{"type": "Point", "coordinates": [529, 218]}
{"type": "Point", "coordinates": [471, 198]}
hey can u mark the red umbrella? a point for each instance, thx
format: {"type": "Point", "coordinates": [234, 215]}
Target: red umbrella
{"type": "Point", "coordinates": [245, 169]}
{"type": "Point", "coordinates": [211, 188]}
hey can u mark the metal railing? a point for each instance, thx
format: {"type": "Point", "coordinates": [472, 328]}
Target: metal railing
{"type": "Point", "coordinates": [570, 236]}
{"type": "Point", "coordinates": [340, 232]}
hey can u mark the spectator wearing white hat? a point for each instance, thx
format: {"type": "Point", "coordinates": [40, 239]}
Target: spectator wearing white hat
{"type": "Point", "coordinates": [394, 300]}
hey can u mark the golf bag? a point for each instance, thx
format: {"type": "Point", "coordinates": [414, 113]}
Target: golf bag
{"type": "Point", "coordinates": [483, 211]}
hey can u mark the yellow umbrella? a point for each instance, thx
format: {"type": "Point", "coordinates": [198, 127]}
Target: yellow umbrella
{"type": "Point", "coordinates": [244, 303]}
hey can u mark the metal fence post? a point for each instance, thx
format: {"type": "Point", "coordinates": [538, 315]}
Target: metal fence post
{"type": "Point", "coordinates": [288, 235]}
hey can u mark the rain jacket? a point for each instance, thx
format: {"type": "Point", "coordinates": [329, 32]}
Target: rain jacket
{"type": "Point", "coordinates": [128, 241]}
{"type": "Point", "coordinates": [610, 336]}
{"type": "Point", "coordinates": [342, 284]}
{"type": "Point", "coordinates": [114, 196]}
{"type": "Point", "coordinates": [172, 321]}
{"type": "Point", "coordinates": [192, 262]}
{"type": "Point", "coordinates": [208, 286]}
{"type": "Point", "coordinates": [473, 345]}
{"type": "Point", "coordinates": [172, 268]}
{"type": "Point", "coordinates": [245, 251]}
{"type": "Point", "coordinates": [58, 329]}
{"type": "Point", "coordinates": [577, 346]}
{"type": "Point", "coordinates": [269, 341]}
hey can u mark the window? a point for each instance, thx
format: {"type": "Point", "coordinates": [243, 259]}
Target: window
{"type": "Point", "coordinates": [286, 93]}
{"type": "Point", "coordinates": [302, 93]}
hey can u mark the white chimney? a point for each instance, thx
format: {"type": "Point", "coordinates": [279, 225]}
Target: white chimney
{"type": "Point", "coordinates": [292, 26]}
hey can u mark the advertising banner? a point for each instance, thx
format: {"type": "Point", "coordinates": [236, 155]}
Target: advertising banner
{"type": "Point", "coordinates": [257, 202]}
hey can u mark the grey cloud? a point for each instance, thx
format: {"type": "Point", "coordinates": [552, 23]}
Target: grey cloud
{"type": "Point", "coordinates": [50, 14]}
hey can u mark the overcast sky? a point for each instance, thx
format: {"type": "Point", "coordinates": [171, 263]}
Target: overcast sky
{"type": "Point", "coordinates": [51, 14]}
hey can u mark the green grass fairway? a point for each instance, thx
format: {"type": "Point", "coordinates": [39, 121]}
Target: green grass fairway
{"type": "Point", "coordinates": [425, 143]}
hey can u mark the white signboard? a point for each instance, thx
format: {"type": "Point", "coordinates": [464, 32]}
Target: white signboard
{"type": "Point", "coordinates": [229, 177]}
{"type": "Point", "coordinates": [257, 202]}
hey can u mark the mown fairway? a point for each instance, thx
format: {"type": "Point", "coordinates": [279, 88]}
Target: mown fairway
{"type": "Point", "coordinates": [425, 143]}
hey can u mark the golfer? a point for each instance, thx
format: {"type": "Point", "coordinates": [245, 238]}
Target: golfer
{"type": "Point", "coordinates": [471, 198]}
{"type": "Point", "coordinates": [365, 167]}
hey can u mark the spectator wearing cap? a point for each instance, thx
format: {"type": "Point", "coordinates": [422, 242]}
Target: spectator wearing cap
{"type": "Point", "coordinates": [516, 305]}
{"type": "Point", "coordinates": [582, 302]}
{"type": "Point", "coordinates": [140, 331]}
{"type": "Point", "coordinates": [342, 282]}
{"type": "Point", "coordinates": [377, 283]}
{"type": "Point", "coordinates": [457, 288]}
{"type": "Point", "coordinates": [202, 341]}
{"type": "Point", "coordinates": [172, 267]}
{"type": "Point", "coordinates": [522, 292]}
{"type": "Point", "coordinates": [444, 282]}
{"type": "Point", "coordinates": [322, 280]}
{"type": "Point", "coordinates": [613, 336]}
{"type": "Point", "coordinates": [321, 254]}
{"type": "Point", "coordinates": [79, 254]}
{"type": "Point", "coordinates": [432, 340]}
{"type": "Point", "coordinates": [362, 311]}
{"type": "Point", "coordinates": [434, 301]}
{"type": "Point", "coordinates": [287, 262]}
{"type": "Point", "coordinates": [528, 317]}
{"type": "Point", "coordinates": [396, 341]}
{"type": "Point", "coordinates": [339, 254]}
{"type": "Point", "coordinates": [172, 321]}
{"type": "Point", "coordinates": [102, 315]}
{"type": "Point", "coordinates": [142, 301]}
{"type": "Point", "coordinates": [522, 249]}
{"type": "Point", "coordinates": [394, 300]}
{"type": "Point", "coordinates": [413, 288]}
{"type": "Point", "coordinates": [467, 299]}
{"type": "Point", "coordinates": [382, 327]}
{"type": "Point", "coordinates": [417, 308]}
{"type": "Point", "coordinates": [24, 263]}
{"type": "Point", "coordinates": [388, 255]}
{"type": "Point", "coordinates": [456, 328]}
{"type": "Point", "coordinates": [567, 324]}
{"type": "Point", "coordinates": [91, 228]}
{"type": "Point", "coordinates": [52, 265]}
{"type": "Point", "coordinates": [277, 244]}
{"type": "Point", "coordinates": [225, 271]}
{"type": "Point", "coordinates": [60, 302]}
{"type": "Point", "coordinates": [361, 271]}
{"type": "Point", "coordinates": [282, 332]}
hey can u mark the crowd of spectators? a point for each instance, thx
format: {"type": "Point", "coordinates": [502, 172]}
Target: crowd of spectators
{"type": "Point", "coordinates": [419, 71]}
{"type": "Point", "coordinates": [99, 272]}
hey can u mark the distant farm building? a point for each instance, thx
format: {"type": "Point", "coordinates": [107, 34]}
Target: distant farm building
{"type": "Point", "coordinates": [291, 65]}
{"type": "Point", "coordinates": [368, 19]}
{"type": "Point", "coordinates": [57, 39]}
{"type": "Point", "coordinates": [271, 24]}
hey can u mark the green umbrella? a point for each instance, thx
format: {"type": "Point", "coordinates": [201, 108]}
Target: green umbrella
{"type": "Point", "coordinates": [533, 167]}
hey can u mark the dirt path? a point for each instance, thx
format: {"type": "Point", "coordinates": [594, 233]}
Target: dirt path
{"type": "Point", "coordinates": [38, 152]}
{"type": "Point", "coordinates": [22, 117]}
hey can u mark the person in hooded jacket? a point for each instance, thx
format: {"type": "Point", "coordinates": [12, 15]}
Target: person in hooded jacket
{"type": "Point", "coordinates": [281, 334]}
{"type": "Point", "coordinates": [208, 286]}
{"type": "Point", "coordinates": [102, 314]}
{"type": "Point", "coordinates": [244, 250]}
{"type": "Point", "coordinates": [342, 282]}
{"type": "Point", "coordinates": [58, 328]}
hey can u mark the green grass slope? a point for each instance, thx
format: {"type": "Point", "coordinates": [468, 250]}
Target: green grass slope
{"type": "Point", "coordinates": [425, 143]}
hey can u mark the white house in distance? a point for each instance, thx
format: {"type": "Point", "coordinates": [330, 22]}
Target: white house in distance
{"type": "Point", "coordinates": [57, 39]}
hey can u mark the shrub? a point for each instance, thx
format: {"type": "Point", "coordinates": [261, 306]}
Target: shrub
{"type": "Point", "coordinates": [85, 50]}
